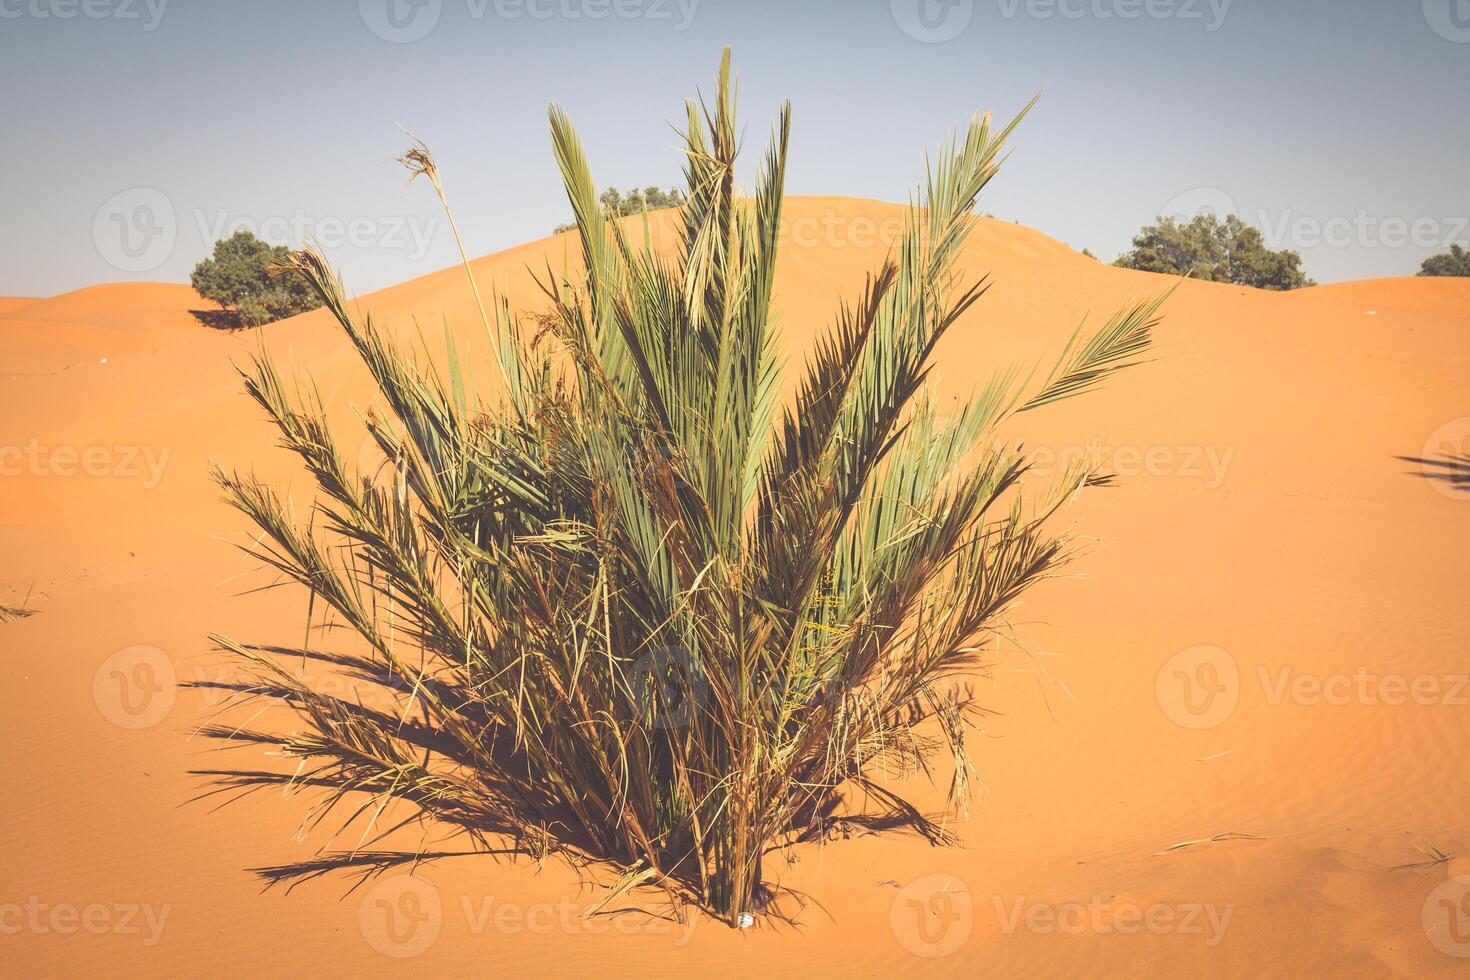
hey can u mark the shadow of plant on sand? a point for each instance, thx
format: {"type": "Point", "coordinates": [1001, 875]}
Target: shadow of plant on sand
{"type": "Point", "coordinates": [1451, 469]}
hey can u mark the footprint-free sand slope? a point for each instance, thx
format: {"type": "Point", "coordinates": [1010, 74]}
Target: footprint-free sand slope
{"type": "Point", "coordinates": [1266, 639]}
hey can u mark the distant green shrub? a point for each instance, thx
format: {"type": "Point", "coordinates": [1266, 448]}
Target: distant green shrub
{"type": "Point", "coordinates": [1455, 262]}
{"type": "Point", "coordinates": [618, 204]}
{"type": "Point", "coordinates": [1216, 250]}
{"type": "Point", "coordinates": [243, 278]}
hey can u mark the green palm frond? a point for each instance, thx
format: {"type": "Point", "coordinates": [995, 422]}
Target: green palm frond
{"type": "Point", "coordinates": [1118, 345]}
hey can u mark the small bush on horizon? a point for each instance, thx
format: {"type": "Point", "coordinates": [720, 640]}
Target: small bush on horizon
{"type": "Point", "coordinates": [1215, 250]}
{"type": "Point", "coordinates": [244, 278]}
{"type": "Point", "coordinates": [617, 204]}
{"type": "Point", "coordinates": [1455, 262]}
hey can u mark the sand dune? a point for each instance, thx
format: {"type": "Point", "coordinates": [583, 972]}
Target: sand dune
{"type": "Point", "coordinates": [1435, 296]}
{"type": "Point", "coordinates": [8, 303]}
{"type": "Point", "coordinates": [1265, 640]}
{"type": "Point", "coordinates": [43, 336]}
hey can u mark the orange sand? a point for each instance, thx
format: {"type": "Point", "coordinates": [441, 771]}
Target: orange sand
{"type": "Point", "coordinates": [1261, 512]}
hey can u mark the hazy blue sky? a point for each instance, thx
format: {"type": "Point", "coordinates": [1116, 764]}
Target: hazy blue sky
{"type": "Point", "coordinates": [135, 132]}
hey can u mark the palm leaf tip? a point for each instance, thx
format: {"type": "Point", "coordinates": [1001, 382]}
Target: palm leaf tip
{"type": "Point", "coordinates": [1119, 345]}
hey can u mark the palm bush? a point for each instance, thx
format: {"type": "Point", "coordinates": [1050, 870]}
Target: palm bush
{"type": "Point", "coordinates": [636, 605]}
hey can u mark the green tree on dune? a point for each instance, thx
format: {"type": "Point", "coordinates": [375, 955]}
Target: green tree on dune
{"type": "Point", "coordinates": [1455, 262]}
{"type": "Point", "coordinates": [252, 281]}
{"type": "Point", "coordinates": [1217, 250]}
{"type": "Point", "coordinates": [618, 204]}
